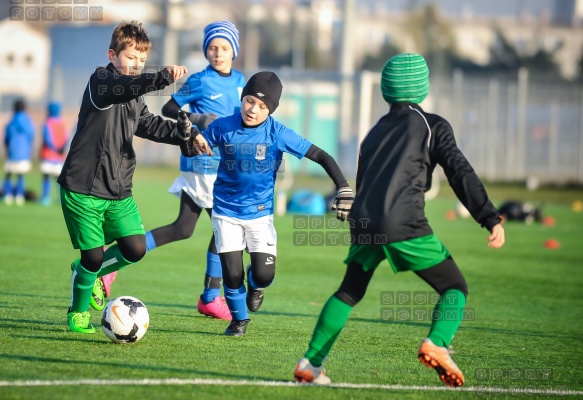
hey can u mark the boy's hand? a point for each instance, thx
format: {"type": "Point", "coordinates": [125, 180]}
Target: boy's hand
{"type": "Point", "coordinates": [177, 71]}
{"type": "Point", "coordinates": [201, 146]}
{"type": "Point", "coordinates": [343, 203]}
{"type": "Point", "coordinates": [496, 238]}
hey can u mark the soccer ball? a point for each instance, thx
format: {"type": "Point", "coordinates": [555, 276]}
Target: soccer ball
{"type": "Point", "coordinates": [125, 319]}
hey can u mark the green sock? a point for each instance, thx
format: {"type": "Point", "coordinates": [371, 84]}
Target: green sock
{"type": "Point", "coordinates": [83, 281]}
{"type": "Point", "coordinates": [330, 323]}
{"type": "Point", "coordinates": [112, 261]}
{"type": "Point", "coordinates": [447, 317]}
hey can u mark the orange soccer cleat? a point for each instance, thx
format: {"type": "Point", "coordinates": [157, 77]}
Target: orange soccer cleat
{"type": "Point", "coordinates": [438, 358]}
{"type": "Point", "coordinates": [305, 372]}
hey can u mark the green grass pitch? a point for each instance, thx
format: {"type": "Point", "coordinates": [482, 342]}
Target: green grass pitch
{"type": "Point", "coordinates": [523, 331]}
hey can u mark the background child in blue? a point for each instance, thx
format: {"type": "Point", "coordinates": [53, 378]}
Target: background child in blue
{"type": "Point", "coordinates": [211, 93]}
{"type": "Point", "coordinates": [52, 151]}
{"type": "Point", "coordinates": [18, 139]}
{"type": "Point", "coordinates": [251, 145]}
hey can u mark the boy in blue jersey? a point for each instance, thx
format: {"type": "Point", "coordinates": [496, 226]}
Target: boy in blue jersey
{"type": "Point", "coordinates": [211, 93]}
{"type": "Point", "coordinates": [251, 145]}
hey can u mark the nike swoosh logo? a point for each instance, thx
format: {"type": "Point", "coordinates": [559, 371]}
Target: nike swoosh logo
{"type": "Point", "coordinates": [114, 311]}
{"type": "Point", "coordinates": [215, 96]}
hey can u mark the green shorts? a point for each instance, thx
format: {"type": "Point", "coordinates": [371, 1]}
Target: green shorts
{"type": "Point", "coordinates": [93, 222]}
{"type": "Point", "coordinates": [409, 255]}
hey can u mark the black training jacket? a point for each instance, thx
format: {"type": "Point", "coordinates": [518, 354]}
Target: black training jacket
{"type": "Point", "coordinates": [101, 160]}
{"type": "Point", "coordinates": [397, 159]}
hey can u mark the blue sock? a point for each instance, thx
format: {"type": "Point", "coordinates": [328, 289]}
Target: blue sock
{"type": "Point", "coordinates": [252, 282]}
{"type": "Point", "coordinates": [213, 270]}
{"type": "Point", "coordinates": [20, 186]}
{"type": "Point", "coordinates": [236, 302]}
{"type": "Point", "coordinates": [7, 187]}
{"type": "Point", "coordinates": [150, 242]}
{"type": "Point", "coordinates": [46, 188]}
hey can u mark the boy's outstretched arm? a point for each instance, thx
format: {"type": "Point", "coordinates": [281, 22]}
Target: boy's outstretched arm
{"type": "Point", "coordinates": [181, 133]}
{"type": "Point", "coordinates": [177, 71]}
{"type": "Point", "coordinates": [497, 237]}
{"type": "Point", "coordinates": [345, 196]}
{"type": "Point", "coordinates": [202, 121]}
{"type": "Point", "coordinates": [108, 88]}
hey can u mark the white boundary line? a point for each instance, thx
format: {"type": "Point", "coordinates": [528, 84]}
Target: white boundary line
{"type": "Point", "coordinates": [176, 381]}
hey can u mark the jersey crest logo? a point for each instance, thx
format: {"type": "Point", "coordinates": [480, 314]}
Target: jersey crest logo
{"type": "Point", "coordinates": [230, 148]}
{"type": "Point", "coordinates": [215, 96]}
{"type": "Point", "coordinates": [260, 151]}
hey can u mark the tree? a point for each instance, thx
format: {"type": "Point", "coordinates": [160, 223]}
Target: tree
{"type": "Point", "coordinates": [505, 58]}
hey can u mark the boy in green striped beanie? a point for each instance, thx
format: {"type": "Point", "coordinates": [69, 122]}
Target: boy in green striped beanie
{"type": "Point", "coordinates": [405, 78]}
{"type": "Point", "coordinates": [387, 220]}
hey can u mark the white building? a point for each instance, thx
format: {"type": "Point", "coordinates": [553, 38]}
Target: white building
{"type": "Point", "coordinates": [24, 60]}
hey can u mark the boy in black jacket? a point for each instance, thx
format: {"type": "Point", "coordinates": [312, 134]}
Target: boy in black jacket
{"type": "Point", "coordinates": [96, 180]}
{"type": "Point", "coordinates": [387, 220]}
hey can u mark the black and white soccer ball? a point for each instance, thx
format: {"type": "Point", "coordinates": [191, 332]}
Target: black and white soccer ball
{"type": "Point", "coordinates": [125, 319]}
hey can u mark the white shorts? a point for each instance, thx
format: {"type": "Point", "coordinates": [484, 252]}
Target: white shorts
{"type": "Point", "coordinates": [51, 167]}
{"type": "Point", "coordinates": [198, 186]}
{"type": "Point", "coordinates": [17, 167]}
{"type": "Point", "coordinates": [256, 235]}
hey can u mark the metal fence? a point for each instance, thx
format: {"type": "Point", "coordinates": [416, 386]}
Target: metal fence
{"type": "Point", "coordinates": [510, 129]}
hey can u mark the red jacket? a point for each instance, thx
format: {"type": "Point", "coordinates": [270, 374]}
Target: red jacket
{"type": "Point", "coordinates": [55, 140]}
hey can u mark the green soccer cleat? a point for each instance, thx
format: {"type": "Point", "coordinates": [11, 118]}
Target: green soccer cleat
{"type": "Point", "coordinates": [97, 300]}
{"type": "Point", "coordinates": [80, 322]}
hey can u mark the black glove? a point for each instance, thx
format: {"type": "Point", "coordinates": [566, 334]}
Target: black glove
{"type": "Point", "coordinates": [343, 203]}
{"type": "Point", "coordinates": [187, 147]}
{"type": "Point", "coordinates": [202, 120]}
{"type": "Point", "coordinates": [183, 126]}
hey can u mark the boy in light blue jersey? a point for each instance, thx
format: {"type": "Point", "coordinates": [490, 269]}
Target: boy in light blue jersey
{"type": "Point", "coordinates": [211, 93]}
{"type": "Point", "coordinates": [251, 145]}
{"type": "Point", "coordinates": [18, 140]}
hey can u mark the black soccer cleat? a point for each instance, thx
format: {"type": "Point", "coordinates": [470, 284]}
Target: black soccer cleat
{"type": "Point", "coordinates": [254, 298]}
{"type": "Point", "coordinates": [237, 327]}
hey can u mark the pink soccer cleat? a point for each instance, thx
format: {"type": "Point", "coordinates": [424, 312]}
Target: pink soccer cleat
{"type": "Point", "coordinates": [107, 282]}
{"type": "Point", "coordinates": [217, 308]}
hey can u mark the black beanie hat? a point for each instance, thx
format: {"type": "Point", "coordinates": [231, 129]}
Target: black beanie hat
{"type": "Point", "coordinates": [266, 86]}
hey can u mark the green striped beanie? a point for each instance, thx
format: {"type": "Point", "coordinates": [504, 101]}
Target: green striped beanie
{"type": "Point", "coordinates": [405, 78]}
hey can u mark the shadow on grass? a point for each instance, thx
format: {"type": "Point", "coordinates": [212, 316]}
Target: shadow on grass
{"type": "Point", "coordinates": [96, 363]}
{"type": "Point", "coordinates": [425, 324]}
